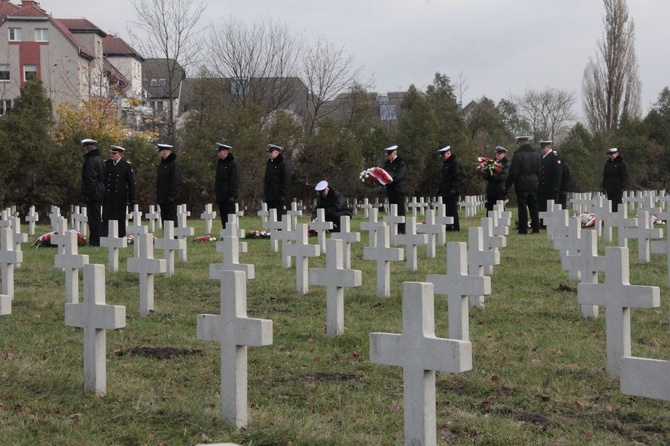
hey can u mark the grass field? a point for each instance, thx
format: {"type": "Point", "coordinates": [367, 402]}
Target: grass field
{"type": "Point", "coordinates": [538, 373]}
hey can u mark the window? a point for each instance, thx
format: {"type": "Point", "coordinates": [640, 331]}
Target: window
{"type": "Point", "coordinates": [4, 72]}
{"type": "Point", "coordinates": [15, 35]}
{"type": "Point", "coordinates": [41, 35]}
{"type": "Point", "coordinates": [157, 106]}
{"type": "Point", "coordinates": [161, 82]}
{"type": "Point", "coordinates": [154, 82]}
{"type": "Point", "coordinates": [5, 105]}
{"type": "Point", "coordinates": [29, 72]}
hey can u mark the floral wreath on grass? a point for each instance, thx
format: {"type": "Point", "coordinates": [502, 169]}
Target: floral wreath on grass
{"type": "Point", "coordinates": [375, 176]}
{"type": "Point", "coordinates": [45, 239]}
{"type": "Point", "coordinates": [487, 166]}
{"type": "Point", "coordinates": [261, 233]}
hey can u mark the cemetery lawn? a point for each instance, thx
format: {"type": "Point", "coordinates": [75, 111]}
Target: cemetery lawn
{"type": "Point", "coordinates": [538, 372]}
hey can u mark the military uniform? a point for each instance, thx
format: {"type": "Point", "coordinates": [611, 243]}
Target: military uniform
{"type": "Point", "coordinates": [615, 179]}
{"type": "Point", "coordinates": [549, 182]}
{"type": "Point", "coordinates": [93, 190]}
{"type": "Point", "coordinates": [396, 190]}
{"type": "Point", "coordinates": [168, 183]}
{"type": "Point", "coordinates": [226, 184]}
{"type": "Point", "coordinates": [119, 192]}
{"type": "Point", "coordinates": [277, 180]}
{"type": "Point", "coordinates": [523, 173]}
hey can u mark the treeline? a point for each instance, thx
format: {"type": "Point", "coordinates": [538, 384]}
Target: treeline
{"type": "Point", "coordinates": [41, 154]}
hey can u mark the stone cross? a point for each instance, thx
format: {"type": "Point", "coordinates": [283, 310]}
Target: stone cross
{"type": "Point", "coordinates": [502, 219]}
{"type": "Point", "coordinates": [54, 217]}
{"type": "Point", "coordinates": [302, 251]}
{"type": "Point", "coordinates": [8, 259]}
{"type": "Point", "coordinates": [169, 244]}
{"type": "Point", "coordinates": [146, 266]}
{"type": "Point", "coordinates": [182, 231]}
{"type": "Point", "coordinates": [618, 296]}
{"type": "Point", "coordinates": [625, 224]}
{"type": "Point", "coordinates": [71, 262]}
{"type": "Point", "coordinates": [31, 218]}
{"type": "Point", "coordinates": [411, 241]}
{"type": "Point", "coordinates": [274, 228]}
{"type": "Point", "coordinates": [606, 219]}
{"type": "Point", "coordinates": [442, 219]}
{"type": "Point", "coordinates": [420, 353]}
{"type": "Point", "coordinates": [479, 259]}
{"type": "Point", "coordinates": [79, 220]}
{"type": "Point", "coordinates": [113, 243]}
{"type": "Point", "coordinates": [392, 219]}
{"type": "Point", "coordinates": [372, 226]}
{"type": "Point", "coordinates": [383, 254]}
{"type": "Point", "coordinates": [347, 238]}
{"type": "Point", "coordinates": [585, 265]}
{"type": "Point", "coordinates": [208, 215]}
{"type": "Point", "coordinates": [432, 229]}
{"type": "Point", "coordinates": [457, 285]}
{"type": "Point", "coordinates": [366, 207]}
{"type": "Point", "coordinates": [57, 238]}
{"type": "Point", "coordinates": [235, 332]}
{"type": "Point", "coordinates": [293, 214]}
{"type": "Point", "coordinates": [230, 248]}
{"type": "Point", "coordinates": [19, 237]}
{"type": "Point", "coordinates": [569, 240]}
{"type": "Point", "coordinates": [414, 206]}
{"type": "Point", "coordinates": [286, 236]}
{"type": "Point", "coordinates": [154, 219]}
{"type": "Point", "coordinates": [335, 277]}
{"type": "Point", "coordinates": [263, 214]}
{"type": "Point", "coordinates": [644, 232]}
{"type": "Point", "coordinates": [490, 241]}
{"type": "Point", "coordinates": [232, 229]}
{"type": "Point", "coordinates": [321, 227]}
{"type": "Point", "coordinates": [95, 317]}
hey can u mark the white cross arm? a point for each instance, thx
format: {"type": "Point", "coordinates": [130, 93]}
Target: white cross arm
{"type": "Point", "coordinates": [645, 377]}
{"type": "Point", "coordinates": [249, 332]}
{"type": "Point", "coordinates": [634, 296]}
{"type": "Point", "coordinates": [445, 355]}
{"type": "Point", "coordinates": [149, 266]}
{"type": "Point", "coordinates": [102, 317]}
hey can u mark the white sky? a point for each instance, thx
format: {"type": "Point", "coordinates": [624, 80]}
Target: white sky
{"type": "Point", "coordinates": [501, 47]}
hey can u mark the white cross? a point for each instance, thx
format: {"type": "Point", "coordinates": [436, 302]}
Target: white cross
{"type": "Point", "coordinates": [420, 353]}
{"type": "Point", "coordinates": [169, 244]}
{"type": "Point", "coordinates": [392, 219]}
{"type": "Point", "coordinates": [411, 241]}
{"type": "Point", "coordinates": [95, 317]}
{"type": "Point", "coordinates": [618, 296]}
{"type": "Point", "coordinates": [586, 265]}
{"type": "Point", "coordinates": [321, 227]}
{"type": "Point", "coordinates": [232, 229]}
{"type": "Point", "coordinates": [432, 229]}
{"type": "Point", "coordinates": [113, 243]}
{"type": "Point", "coordinates": [234, 331]}
{"type": "Point", "coordinates": [154, 218]}
{"type": "Point", "coordinates": [8, 258]}
{"type": "Point", "coordinates": [457, 285]}
{"type": "Point", "coordinates": [229, 247]}
{"type": "Point", "coordinates": [31, 218]}
{"type": "Point", "coordinates": [302, 251]}
{"type": "Point", "coordinates": [335, 277]}
{"type": "Point", "coordinates": [274, 227]}
{"type": "Point", "coordinates": [383, 254]}
{"type": "Point", "coordinates": [146, 266]}
{"type": "Point", "coordinates": [208, 215]}
{"type": "Point", "coordinates": [181, 231]}
{"type": "Point", "coordinates": [347, 238]}
{"type": "Point", "coordinates": [372, 226]}
{"type": "Point", "coordinates": [71, 262]}
{"type": "Point", "coordinates": [479, 259]}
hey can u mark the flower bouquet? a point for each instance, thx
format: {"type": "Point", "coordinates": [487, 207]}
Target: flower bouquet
{"type": "Point", "coordinates": [487, 166]}
{"type": "Point", "coordinates": [45, 239]}
{"type": "Point", "coordinates": [257, 234]}
{"type": "Point", "coordinates": [375, 176]}
{"type": "Point", "coordinates": [205, 238]}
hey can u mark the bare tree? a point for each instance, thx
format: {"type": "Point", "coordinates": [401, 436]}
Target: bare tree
{"type": "Point", "coordinates": [461, 85]}
{"type": "Point", "coordinates": [327, 71]}
{"type": "Point", "coordinates": [610, 86]}
{"type": "Point", "coordinates": [548, 112]}
{"type": "Point", "coordinates": [167, 30]}
{"type": "Point", "coordinates": [258, 60]}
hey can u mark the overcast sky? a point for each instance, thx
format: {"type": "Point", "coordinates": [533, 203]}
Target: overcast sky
{"type": "Point", "coordinates": [501, 47]}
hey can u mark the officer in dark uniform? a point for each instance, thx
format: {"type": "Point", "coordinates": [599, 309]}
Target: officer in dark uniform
{"type": "Point", "coordinates": [566, 183]}
{"type": "Point", "coordinates": [396, 190]}
{"type": "Point", "coordinates": [277, 180]}
{"type": "Point", "coordinates": [227, 182]}
{"type": "Point", "coordinates": [93, 188]}
{"type": "Point", "coordinates": [119, 190]}
{"type": "Point", "coordinates": [523, 173]}
{"type": "Point", "coordinates": [450, 186]}
{"type": "Point", "coordinates": [549, 182]}
{"type": "Point", "coordinates": [168, 182]}
{"type": "Point", "coordinates": [495, 182]}
{"type": "Point", "coordinates": [615, 178]}
{"type": "Point", "coordinates": [333, 203]}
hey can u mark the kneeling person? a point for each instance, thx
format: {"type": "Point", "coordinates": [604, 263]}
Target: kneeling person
{"type": "Point", "coordinates": [334, 204]}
